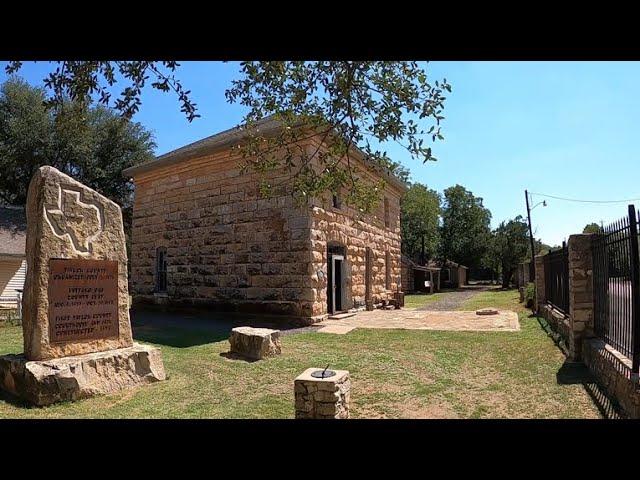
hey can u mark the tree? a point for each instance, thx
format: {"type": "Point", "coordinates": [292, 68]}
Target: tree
{"type": "Point", "coordinates": [592, 228]}
{"type": "Point", "coordinates": [509, 246]}
{"type": "Point", "coordinates": [491, 258]}
{"type": "Point", "coordinates": [420, 212]}
{"type": "Point", "coordinates": [351, 105]}
{"type": "Point", "coordinates": [92, 144]}
{"type": "Point", "coordinates": [465, 230]}
{"type": "Point", "coordinates": [541, 248]}
{"type": "Point", "coordinates": [81, 81]}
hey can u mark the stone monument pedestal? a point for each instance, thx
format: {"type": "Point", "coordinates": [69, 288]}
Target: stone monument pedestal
{"type": "Point", "coordinates": [76, 328]}
{"type": "Point", "coordinates": [322, 398]}
{"type": "Point", "coordinates": [44, 382]}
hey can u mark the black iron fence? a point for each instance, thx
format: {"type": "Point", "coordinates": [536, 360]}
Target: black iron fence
{"type": "Point", "coordinates": [616, 285]}
{"type": "Point", "coordinates": [556, 278]}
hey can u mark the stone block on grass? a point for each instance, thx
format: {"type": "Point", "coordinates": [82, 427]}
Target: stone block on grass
{"type": "Point", "coordinates": [255, 343]}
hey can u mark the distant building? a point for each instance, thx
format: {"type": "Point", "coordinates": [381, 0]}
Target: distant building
{"type": "Point", "coordinates": [419, 278]}
{"type": "Point", "coordinates": [452, 274]}
{"type": "Point", "coordinates": [13, 265]}
{"type": "Point", "coordinates": [202, 235]}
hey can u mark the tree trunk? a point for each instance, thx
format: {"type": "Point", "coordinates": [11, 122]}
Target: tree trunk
{"type": "Point", "coordinates": [506, 277]}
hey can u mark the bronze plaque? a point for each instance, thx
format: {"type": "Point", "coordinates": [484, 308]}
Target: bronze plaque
{"type": "Point", "coordinates": [83, 300]}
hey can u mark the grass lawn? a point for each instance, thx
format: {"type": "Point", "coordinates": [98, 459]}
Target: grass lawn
{"type": "Point", "coordinates": [497, 298]}
{"type": "Point", "coordinates": [416, 300]}
{"type": "Point", "coordinates": [395, 374]}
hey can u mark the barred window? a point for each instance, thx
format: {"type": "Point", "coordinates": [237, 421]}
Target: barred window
{"type": "Point", "coordinates": [387, 219]}
{"type": "Point", "coordinates": [161, 270]}
{"type": "Point", "coordinates": [387, 266]}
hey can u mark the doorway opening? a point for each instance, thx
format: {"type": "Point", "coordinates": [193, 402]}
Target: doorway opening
{"type": "Point", "coordinates": [336, 255]}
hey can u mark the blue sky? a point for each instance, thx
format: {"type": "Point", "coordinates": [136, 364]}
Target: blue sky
{"type": "Point", "coordinates": [567, 129]}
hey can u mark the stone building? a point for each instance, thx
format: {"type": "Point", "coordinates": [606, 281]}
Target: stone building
{"type": "Point", "coordinates": [203, 235]}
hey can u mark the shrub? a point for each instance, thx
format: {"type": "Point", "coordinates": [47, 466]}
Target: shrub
{"type": "Point", "coordinates": [10, 317]}
{"type": "Point", "coordinates": [529, 294]}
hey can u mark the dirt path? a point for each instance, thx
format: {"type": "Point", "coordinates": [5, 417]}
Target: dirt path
{"type": "Point", "coordinates": [453, 299]}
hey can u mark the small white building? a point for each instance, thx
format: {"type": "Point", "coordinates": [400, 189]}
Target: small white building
{"type": "Point", "coordinates": [13, 264]}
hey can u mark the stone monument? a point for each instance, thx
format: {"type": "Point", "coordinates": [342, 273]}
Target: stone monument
{"type": "Point", "coordinates": [76, 327]}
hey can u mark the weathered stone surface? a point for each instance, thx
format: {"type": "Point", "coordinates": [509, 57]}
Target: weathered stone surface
{"type": "Point", "coordinates": [487, 311]}
{"type": "Point", "coordinates": [580, 292]}
{"type": "Point", "coordinates": [67, 220]}
{"type": "Point", "coordinates": [614, 372]}
{"type": "Point", "coordinates": [72, 378]}
{"type": "Point", "coordinates": [322, 397]}
{"type": "Point", "coordinates": [255, 343]}
{"type": "Point", "coordinates": [210, 218]}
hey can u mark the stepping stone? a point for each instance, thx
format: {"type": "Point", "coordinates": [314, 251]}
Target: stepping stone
{"type": "Point", "coordinates": [336, 329]}
{"type": "Point", "coordinates": [340, 316]}
{"type": "Point", "coordinates": [255, 343]}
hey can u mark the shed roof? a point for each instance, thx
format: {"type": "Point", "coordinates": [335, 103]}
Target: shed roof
{"type": "Point", "coordinates": [411, 264]}
{"type": "Point", "coordinates": [13, 231]}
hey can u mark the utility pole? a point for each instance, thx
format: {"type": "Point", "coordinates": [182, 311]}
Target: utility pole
{"type": "Point", "coordinates": [532, 268]}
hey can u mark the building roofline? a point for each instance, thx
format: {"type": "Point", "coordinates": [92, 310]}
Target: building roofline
{"type": "Point", "coordinates": [266, 126]}
{"type": "Point", "coordinates": [12, 256]}
{"type": "Point", "coordinates": [415, 266]}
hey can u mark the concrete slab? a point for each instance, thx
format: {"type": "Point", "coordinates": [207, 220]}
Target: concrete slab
{"type": "Point", "coordinates": [340, 316]}
{"type": "Point", "coordinates": [337, 329]}
{"type": "Point", "coordinates": [504, 320]}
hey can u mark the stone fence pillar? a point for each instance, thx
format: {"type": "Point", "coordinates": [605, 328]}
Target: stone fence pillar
{"type": "Point", "coordinates": [539, 282]}
{"type": "Point", "coordinates": [580, 292]}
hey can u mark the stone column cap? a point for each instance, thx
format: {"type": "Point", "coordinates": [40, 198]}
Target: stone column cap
{"type": "Point", "coordinates": [305, 376]}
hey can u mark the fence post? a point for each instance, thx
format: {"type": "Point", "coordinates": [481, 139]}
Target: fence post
{"type": "Point", "coordinates": [635, 291]}
{"type": "Point", "coordinates": [541, 298]}
{"type": "Point", "coordinates": [580, 292]}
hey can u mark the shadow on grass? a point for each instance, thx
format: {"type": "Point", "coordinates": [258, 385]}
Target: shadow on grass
{"type": "Point", "coordinates": [557, 339]}
{"type": "Point", "coordinates": [13, 400]}
{"type": "Point", "coordinates": [577, 373]}
{"type": "Point", "coordinates": [236, 357]}
{"type": "Point", "coordinates": [189, 327]}
{"type": "Point", "coordinates": [573, 373]}
{"type": "Point", "coordinates": [178, 337]}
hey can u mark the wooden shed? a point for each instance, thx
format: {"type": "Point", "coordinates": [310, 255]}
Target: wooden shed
{"type": "Point", "coordinates": [419, 278]}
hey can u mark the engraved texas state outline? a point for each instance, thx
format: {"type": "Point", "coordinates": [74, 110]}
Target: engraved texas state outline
{"type": "Point", "coordinates": [81, 220]}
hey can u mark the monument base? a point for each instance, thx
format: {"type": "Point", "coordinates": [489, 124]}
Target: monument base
{"type": "Point", "coordinates": [81, 376]}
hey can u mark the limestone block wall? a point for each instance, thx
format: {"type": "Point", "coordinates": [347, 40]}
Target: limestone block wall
{"type": "Point", "coordinates": [225, 245]}
{"type": "Point", "coordinates": [343, 227]}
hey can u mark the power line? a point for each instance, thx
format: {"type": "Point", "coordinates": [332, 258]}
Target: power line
{"type": "Point", "coordinates": [585, 201]}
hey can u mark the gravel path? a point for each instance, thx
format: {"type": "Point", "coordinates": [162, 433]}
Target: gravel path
{"type": "Point", "coordinates": [453, 299]}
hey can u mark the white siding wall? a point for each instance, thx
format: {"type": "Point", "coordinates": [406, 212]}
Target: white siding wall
{"type": "Point", "coordinates": [12, 273]}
